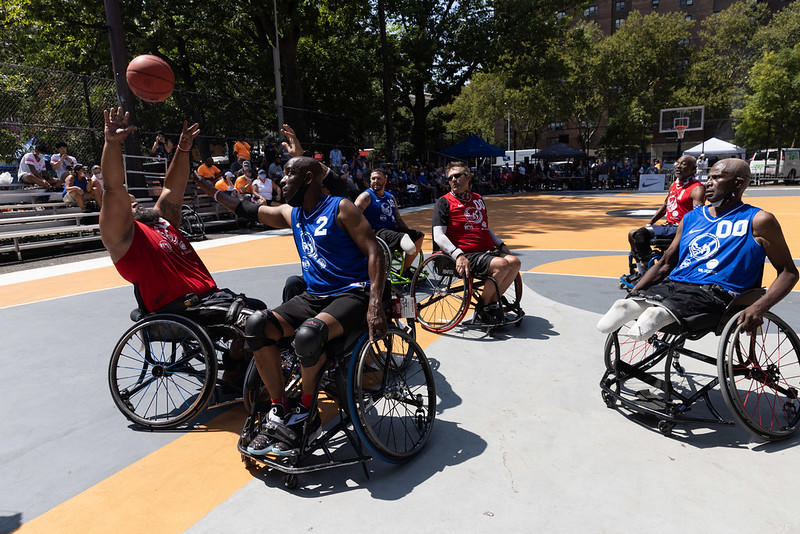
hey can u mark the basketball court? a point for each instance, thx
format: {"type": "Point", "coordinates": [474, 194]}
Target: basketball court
{"type": "Point", "coordinates": [522, 440]}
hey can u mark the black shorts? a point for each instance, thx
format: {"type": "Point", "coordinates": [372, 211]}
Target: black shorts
{"type": "Point", "coordinates": [393, 236]}
{"type": "Point", "coordinates": [479, 261]}
{"type": "Point", "coordinates": [349, 308]}
{"type": "Point", "coordinates": [213, 307]}
{"type": "Point", "coordinates": [687, 300]}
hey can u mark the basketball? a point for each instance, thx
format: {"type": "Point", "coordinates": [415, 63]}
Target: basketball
{"type": "Point", "coordinates": [150, 78]}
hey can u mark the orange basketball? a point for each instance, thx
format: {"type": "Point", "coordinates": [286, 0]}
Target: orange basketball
{"type": "Point", "coordinates": [150, 78]}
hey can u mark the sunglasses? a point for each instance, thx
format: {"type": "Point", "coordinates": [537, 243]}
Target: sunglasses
{"type": "Point", "coordinates": [456, 175]}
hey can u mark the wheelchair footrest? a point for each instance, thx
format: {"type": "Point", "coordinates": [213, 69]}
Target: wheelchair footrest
{"type": "Point", "coordinates": [290, 465]}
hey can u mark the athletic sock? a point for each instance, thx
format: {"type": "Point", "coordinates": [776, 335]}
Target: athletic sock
{"type": "Point", "coordinates": [306, 400]}
{"type": "Point", "coordinates": [280, 402]}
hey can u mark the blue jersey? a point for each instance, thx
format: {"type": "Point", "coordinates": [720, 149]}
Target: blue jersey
{"type": "Point", "coordinates": [381, 210]}
{"type": "Point", "coordinates": [331, 261]}
{"type": "Point", "coordinates": [720, 250]}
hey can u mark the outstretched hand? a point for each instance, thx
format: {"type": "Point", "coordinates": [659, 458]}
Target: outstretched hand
{"type": "Point", "coordinates": [292, 143]}
{"type": "Point", "coordinates": [117, 128]}
{"type": "Point", "coordinates": [188, 135]}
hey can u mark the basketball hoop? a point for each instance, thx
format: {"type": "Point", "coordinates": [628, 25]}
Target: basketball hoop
{"type": "Point", "coordinates": [680, 129]}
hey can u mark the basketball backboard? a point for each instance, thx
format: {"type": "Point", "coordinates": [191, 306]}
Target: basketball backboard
{"type": "Point", "coordinates": [692, 117]}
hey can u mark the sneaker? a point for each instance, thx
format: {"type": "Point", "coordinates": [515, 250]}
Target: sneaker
{"type": "Point", "coordinates": [263, 442]}
{"type": "Point", "coordinates": [495, 313]}
{"type": "Point", "coordinates": [290, 435]}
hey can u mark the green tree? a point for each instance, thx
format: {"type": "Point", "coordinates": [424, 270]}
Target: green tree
{"type": "Point", "coordinates": [719, 65]}
{"type": "Point", "coordinates": [771, 112]}
{"type": "Point", "coordinates": [640, 66]}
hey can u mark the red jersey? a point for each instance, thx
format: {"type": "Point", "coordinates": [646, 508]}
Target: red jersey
{"type": "Point", "coordinates": [467, 222]}
{"type": "Point", "coordinates": [164, 265]}
{"type": "Point", "coordinates": [679, 199]}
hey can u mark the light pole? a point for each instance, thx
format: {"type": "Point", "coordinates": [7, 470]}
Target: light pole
{"type": "Point", "coordinates": [276, 62]}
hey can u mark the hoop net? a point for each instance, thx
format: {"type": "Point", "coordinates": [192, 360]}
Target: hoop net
{"type": "Point", "coordinates": [680, 129]}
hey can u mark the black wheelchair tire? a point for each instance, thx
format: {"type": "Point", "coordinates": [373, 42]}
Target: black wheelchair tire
{"type": "Point", "coordinates": [380, 411]}
{"type": "Point", "coordinates": [734, 371]}
{"type": "Point", "coordinates": [431, 285]}
{"type": "Point", "coordinates": [197, 370]}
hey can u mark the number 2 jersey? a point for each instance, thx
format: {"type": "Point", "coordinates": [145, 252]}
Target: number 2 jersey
{"type": "Point", "coordinates": [466, 221]}
{"type": "Point", "coordinates": [332, 263]}
{"type": "Point", "coordinates": [720, 250]}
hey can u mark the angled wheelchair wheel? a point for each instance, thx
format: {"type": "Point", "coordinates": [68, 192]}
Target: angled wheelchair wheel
{"type": "Point", "coordinates": [441, 294]}
{"type": "Point", "coordinates": [513, 295]}
{"type": "Point", "coordinates": [387, 256]}
{"type": "Point", "coordinates": [630, 351]}
{"type": "Point", "coordinates": [253, 389]}
{"type": "Point", "coordinates": [391, 396]}
{"type": "Point", "coordinates": [760, 376]}
{"type": "Point", "coordinates": [163, 371]}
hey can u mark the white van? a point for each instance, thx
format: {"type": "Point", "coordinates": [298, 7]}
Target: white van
{"type": "Point", "coordinates": [763, 165]}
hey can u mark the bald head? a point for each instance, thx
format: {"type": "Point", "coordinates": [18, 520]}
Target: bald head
{"type": "Point", "coordinates": [738, 168]}
{"type": "Point", "coordinates": [304, 164]}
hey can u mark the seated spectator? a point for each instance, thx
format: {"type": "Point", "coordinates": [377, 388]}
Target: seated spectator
{"type": "Point", "coordinates": [244, 182]}
{"type": "Point", "coordinates": [61, 162]}
{"type": "Point", "coordinates": [225, 184]}
{"type": "Point", "coordinates": [265, 191]}
{"type": "Point", "coordinates": [77, 188]}
{"type": "Point", "coordinates": [275, 170]}
{"type": "Point", "coordinates": [208, 170]}
{"type": "Point", "coordinates": [32, 169]}
{"type": "Point", "coordinates": [96, 185]}
{"type": "Point", "coordinates": [242, 151]}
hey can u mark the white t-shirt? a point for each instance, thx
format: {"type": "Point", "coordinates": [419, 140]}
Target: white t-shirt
{"type": "Point", "coordinates": [69, 161]}
{"type": "Point", "coordinates": [263, 188]}
{"type": "Point", "coordinates": [30, 160]}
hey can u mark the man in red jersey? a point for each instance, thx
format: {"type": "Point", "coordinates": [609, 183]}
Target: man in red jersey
{"type": "Point", "coordinates": [685, 194]}
{"type": "Point", "coordinates": [461, 229]}
{"type": "Point", "coordinates": [145, 244]}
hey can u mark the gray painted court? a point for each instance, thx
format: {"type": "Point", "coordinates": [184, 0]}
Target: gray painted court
{"type": "Point", "coordinates": [522, 442]}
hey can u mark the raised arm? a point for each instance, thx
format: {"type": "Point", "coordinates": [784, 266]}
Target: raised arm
{"type": "Point", "coordinates": [171, 199]}
{"type": "Point", "coordinates": [767, 232]}
{"type": "Point", "coordinates": [116, 217]}
{"type": "Point", "coordinates": [359, 230]}
{"type": "Point", "coordinates": [274, 216]}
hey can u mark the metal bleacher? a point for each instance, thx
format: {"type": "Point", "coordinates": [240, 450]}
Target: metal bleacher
{"type": "Point", "coordinates": [33, 218]}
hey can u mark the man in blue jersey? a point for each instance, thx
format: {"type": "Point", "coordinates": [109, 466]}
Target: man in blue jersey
{"type": "Point", "coordinates": [380, 208]}
{"type": "Point", "coordinates": [344, 273]}
{"type": "Point", "coordinates": [717, 253]}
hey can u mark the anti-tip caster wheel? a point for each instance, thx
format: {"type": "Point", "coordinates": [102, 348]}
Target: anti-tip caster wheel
{"type": "Point", "coordinates": [608, 399]}
{"type": "Point", "coordinates": [290, 482]}
{"type": "Point", "coordinates": [665, 427]}
{"type": "Point", "coordinates": [249, 463]}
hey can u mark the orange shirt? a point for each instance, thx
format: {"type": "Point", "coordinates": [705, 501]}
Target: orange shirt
{"type": "Point", "coordinates": [243, 184]}
{"type": "Point", "coordinates": [222, 185]}
{"type": "Point", "coordinates": [208, 172]}
{"type": "Point", "coordinates": [242, 149]}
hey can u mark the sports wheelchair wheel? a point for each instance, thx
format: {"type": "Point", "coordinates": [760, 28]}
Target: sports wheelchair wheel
{"type": "Point", "coordinates": [192, 226]}
{"type": "Point", "coordinates": [629, 350]}
{"type": "Point", "coordinates": [441, 294]}
{"type": "Point", "coordinates": [760, 376]}
{"type": "Point", "coordinates": [253, 389]}
{"type": "Point", "coordinates": [387, 256]}
{"type": "Point", "coordinates": [391, 396]}
{"type": "Point", "coordinates": [163, 371]}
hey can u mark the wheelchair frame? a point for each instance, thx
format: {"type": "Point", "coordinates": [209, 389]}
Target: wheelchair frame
{"type": "Point", "coordinates": [440, 285]}
{"type": "Point", "coordinates": [173, 362]}
{"type": "Point", "coordinates": [659, 246]}
{"type": "Point", "coordinates": [394, 260]}
{"type": "Point", "coordinates": [346, 378]}
{"type": "Point", "coordinates": [750, 373]}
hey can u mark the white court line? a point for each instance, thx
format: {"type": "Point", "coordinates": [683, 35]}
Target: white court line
{"type": "Point", "coordinates": [97, 263]}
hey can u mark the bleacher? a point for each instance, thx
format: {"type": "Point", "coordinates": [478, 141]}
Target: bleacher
{"type": "Point", "coordinates": [32, 218]}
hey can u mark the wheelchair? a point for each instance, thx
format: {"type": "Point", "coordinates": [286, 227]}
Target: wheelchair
{"type": "Point", "coordinates": [192, 226]}
{"type": "Point", "coordinates": [757, 374]}
{"type": "Point", "coordinates": [380, 398]}
{"type": "Point", "coordinates": [167, 369]}
{"type": "Point", "coordinates": [659, 245]}
{"type": "Point", "coordinates": [443, 297]}
{"type": "Point", "coordinates": [394, 265]}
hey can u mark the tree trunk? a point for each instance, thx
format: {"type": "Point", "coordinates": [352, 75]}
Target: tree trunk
{"type": "Point", "coordinates": [387, 83]}
{"type": "Point", "coordinates": [418, 132]}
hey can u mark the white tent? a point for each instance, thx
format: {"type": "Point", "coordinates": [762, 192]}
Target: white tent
{"type": "Point", "coordinates": [716, 147]}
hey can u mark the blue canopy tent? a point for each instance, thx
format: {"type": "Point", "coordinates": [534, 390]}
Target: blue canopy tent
{"type": "Point", "coordinates": [472, 147]}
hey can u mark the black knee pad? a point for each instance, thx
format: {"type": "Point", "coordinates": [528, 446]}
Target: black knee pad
{"type": "Point", "coordinates": [255, 330]}
{"type": "Point", "coordinates": [642, 239]}
{"type": "Point", "coordinates": [309, 341]}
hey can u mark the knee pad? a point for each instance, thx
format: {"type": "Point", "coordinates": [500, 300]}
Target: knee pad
{"type": "Point", "coordinates": [309, 341]}
{"type": "Point", "coordinates": [408, 245]}
{"type": "Point", "coordinates": [255, 330]}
